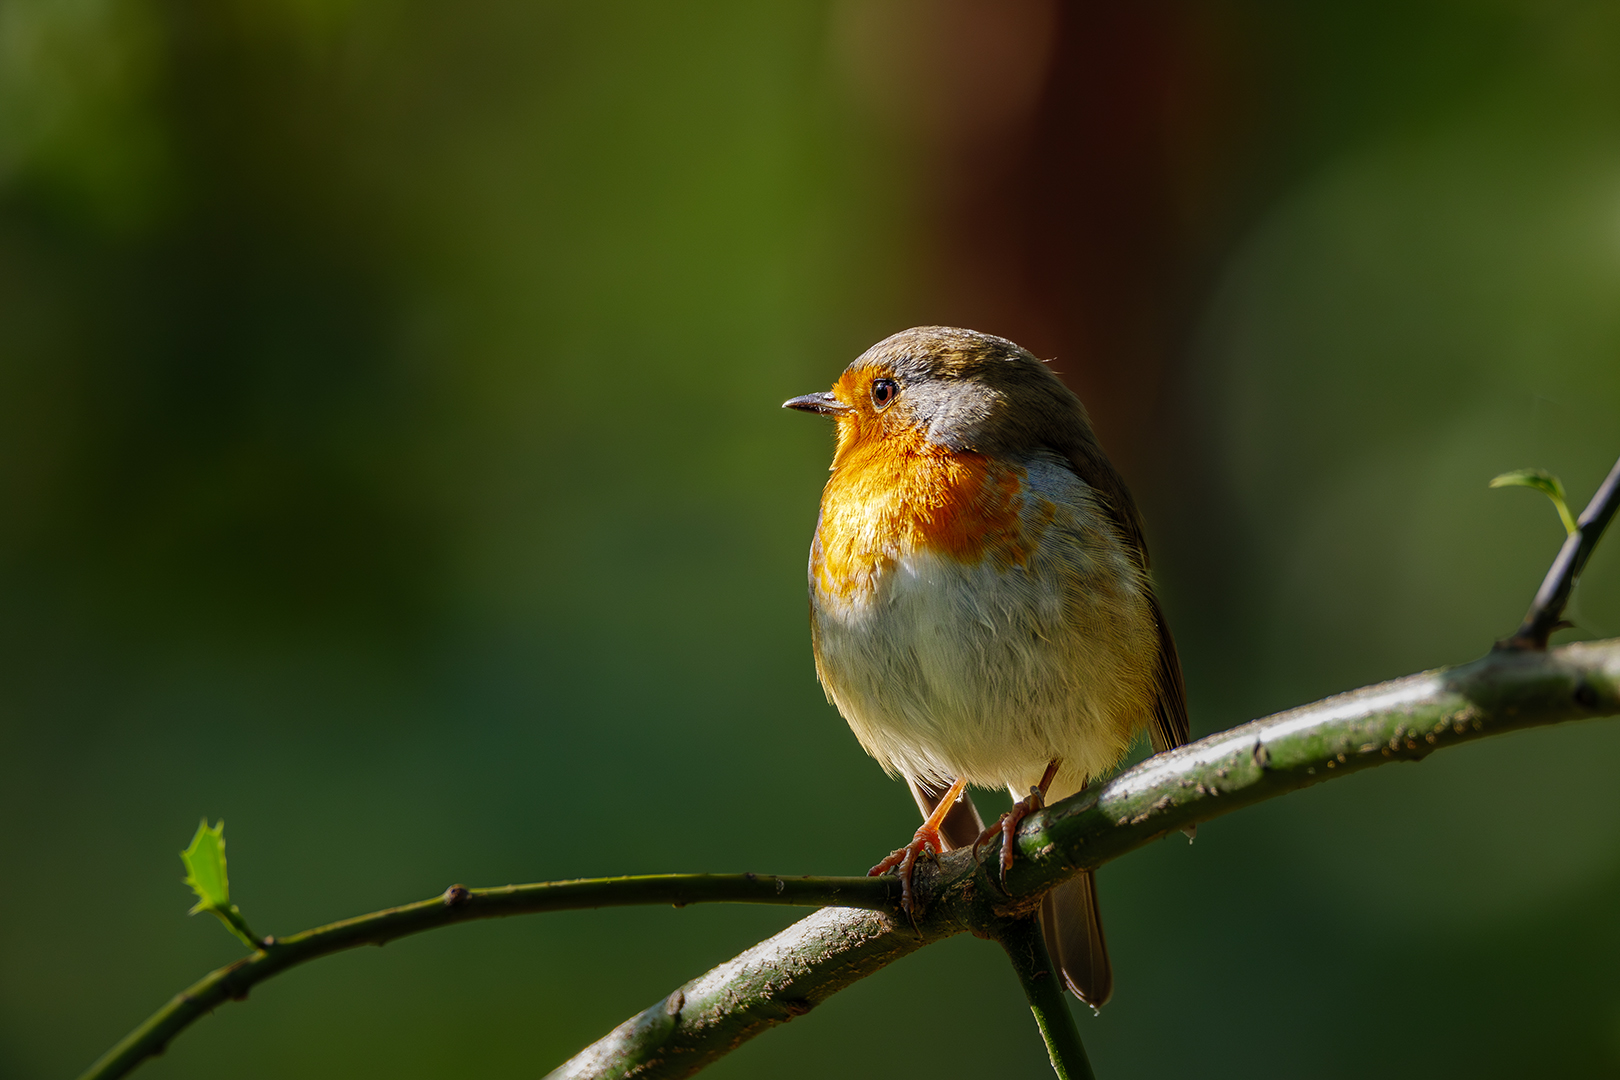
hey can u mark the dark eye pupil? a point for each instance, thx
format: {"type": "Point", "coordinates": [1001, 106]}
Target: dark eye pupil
{"type": "Point", "coordinates": [883, 391]}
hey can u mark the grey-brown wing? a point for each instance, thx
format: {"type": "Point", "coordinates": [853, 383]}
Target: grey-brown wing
{"type": "Point", "coordinates": [1170, 728]}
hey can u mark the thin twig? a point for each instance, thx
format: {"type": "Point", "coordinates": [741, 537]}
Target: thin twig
{"type": "Point", "coordinates": [1026, 947]}
{"type": "Point", "coordinates": [1403, 720]}
{"type": "Point", "coordinates": [1547, 610]}
{"type": "Point", "coordinates": [460, 904]}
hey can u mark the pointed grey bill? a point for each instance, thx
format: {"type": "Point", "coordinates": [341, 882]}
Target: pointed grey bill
{"type": "Point", "coordinates": [823, 403]}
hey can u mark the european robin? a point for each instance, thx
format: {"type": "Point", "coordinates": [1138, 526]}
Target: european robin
{"type": "Point", "coordinates": [980, 606]}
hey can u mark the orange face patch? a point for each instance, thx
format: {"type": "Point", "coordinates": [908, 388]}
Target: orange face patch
{"type": "Point", "coordinates": [893, 492]}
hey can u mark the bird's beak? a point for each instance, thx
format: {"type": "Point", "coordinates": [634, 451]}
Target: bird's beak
{"type": "Point", "coordinates": [823, 403]}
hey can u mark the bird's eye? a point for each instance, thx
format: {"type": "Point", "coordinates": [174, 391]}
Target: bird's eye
{"type": "Point", "coordinates": [884, 391]}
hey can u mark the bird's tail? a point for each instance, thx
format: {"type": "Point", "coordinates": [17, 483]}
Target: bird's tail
{"type": "Point", "coordinates": [1074, 937]}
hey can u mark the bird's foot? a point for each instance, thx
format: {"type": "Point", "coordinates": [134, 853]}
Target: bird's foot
{"type": "Point", "coordinates": [1007, 827]}
{"type": "Point", "coordinates": [904, 861]}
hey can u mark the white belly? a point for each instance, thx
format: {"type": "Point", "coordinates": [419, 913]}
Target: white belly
{"type": "Point", "coordinates": [947, 669]}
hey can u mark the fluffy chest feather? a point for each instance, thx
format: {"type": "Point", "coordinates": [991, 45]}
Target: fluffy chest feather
{"type": "Point", "coordinates": [978, 618]}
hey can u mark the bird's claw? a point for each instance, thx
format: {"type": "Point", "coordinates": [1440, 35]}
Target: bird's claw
{"type": "Point", "coordinates": [1007, 828]}
{"type": "Point", "coordinates": [904, 862]}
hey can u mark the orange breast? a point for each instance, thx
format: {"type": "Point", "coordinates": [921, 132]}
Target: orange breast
{"type": "Point", "coordinates": [898, 493]}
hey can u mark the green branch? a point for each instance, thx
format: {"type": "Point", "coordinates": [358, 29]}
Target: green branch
{"type": "Point", "coordinates": [1026, 948]}
{"type": "Point", "coordinates": [1403, 720]}
{"type": "Point", "coordinates": [460, 904]}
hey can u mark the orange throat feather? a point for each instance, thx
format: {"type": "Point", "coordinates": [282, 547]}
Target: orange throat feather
{"type": "Point", "coordinates": [895, 493]}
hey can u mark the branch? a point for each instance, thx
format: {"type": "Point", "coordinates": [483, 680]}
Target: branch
{"type": "Point", "coordinates": [460, 904]}
{"type": "Point", "coordinates": [1026, 947]}
{"type": "Point", "coordinates": [1547, 610]}
{"type": "Point", "coordinates": [1403, 720]}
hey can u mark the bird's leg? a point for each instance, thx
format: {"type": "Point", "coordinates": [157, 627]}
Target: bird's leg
{"type": "Point", "coordinates": [1008, 825]}
{"type": "Point", "coordinates": [926, 839]}
{"type": "Point", "coordinates": [961, 826]}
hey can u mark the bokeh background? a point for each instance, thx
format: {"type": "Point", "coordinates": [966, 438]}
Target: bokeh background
{"type": "Point", "coordinates": [390, 464]}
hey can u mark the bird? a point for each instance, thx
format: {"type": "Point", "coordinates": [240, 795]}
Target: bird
{"type": "Point", "coordinates": [981, 610]}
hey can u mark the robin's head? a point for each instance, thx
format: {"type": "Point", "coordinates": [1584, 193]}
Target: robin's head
{"type": "Point", "coordinates": [951, 389]}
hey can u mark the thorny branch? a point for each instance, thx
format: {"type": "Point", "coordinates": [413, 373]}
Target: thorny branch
{"type": "Point", "coordinates": [1403, 720]}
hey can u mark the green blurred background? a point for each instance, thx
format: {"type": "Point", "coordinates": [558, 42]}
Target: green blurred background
{"type": "Point", "coordinates": [390, 465]}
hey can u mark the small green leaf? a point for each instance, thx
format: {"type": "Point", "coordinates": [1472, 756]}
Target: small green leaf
{"type": "Point", "coordinates": [205, 867]}
{"type": "Point", "coordinates": [204, 860]}
{"type": "Point", "coordinates": [1540, 479]}
{"type": "Point", "coordinates": [1544, 482]}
